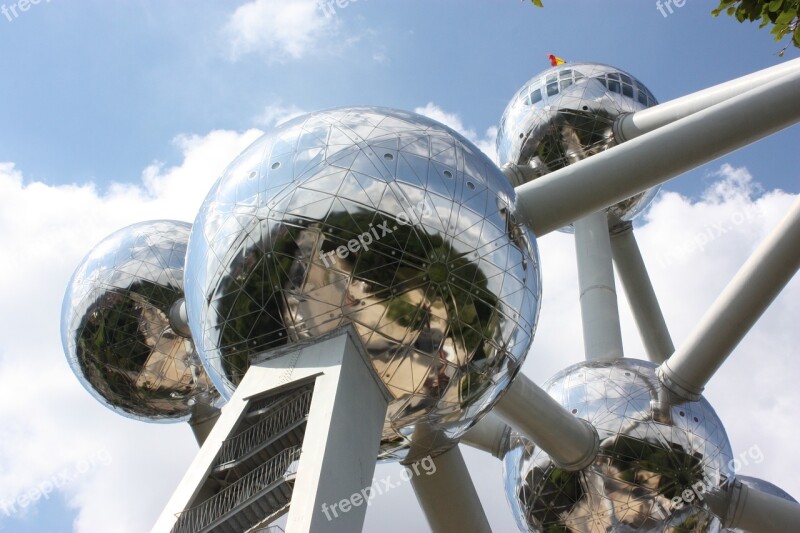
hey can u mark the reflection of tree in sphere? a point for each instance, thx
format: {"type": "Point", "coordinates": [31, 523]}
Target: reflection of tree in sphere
{"type": "Point", "coordinates": [385, 220]}
{"type": "Point", "coordinates": [566, 114]}
{"type": "Point", "coordinates": [656, 454]}
{"type": "Point", "coordinates": [116, 330]}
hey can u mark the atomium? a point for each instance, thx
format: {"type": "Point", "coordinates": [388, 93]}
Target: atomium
{"type": "Point", "coordinates": [656, 453]}
{"type": "Point", "coordinates": [116, 331]}
{"type": "Point", "coordinates": [566, 114]}
{"type": "Point", "coordinates": [385, 220]}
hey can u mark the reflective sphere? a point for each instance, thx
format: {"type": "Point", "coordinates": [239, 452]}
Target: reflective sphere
{"type": "Point", "coordinates": [656, 455]}
{"type": "Point", "coordinates": [566, 114]}
{"type": "Point", "coordinates": [115, 325]}
{"type": "Point", "coordinates": [763, 486]}
{"type": "Point", "coordinates": [385, 220]}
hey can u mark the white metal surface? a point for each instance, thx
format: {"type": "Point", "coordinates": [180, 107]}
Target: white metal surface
{"type": "Point", "coordinates": [640, 294]}
{"type": "Point", "coordinates": [571, 442]}
{"type": "Point", "coordinates": [746, 509]}
{"type": "Point", "coordinates": [490, 435]}
{"type": "Point", "coordinates": [448, 497]}
{"type": "Point", "coordinates": [343, 433]}
{"type": "Point", "coordinates": [602, 337]}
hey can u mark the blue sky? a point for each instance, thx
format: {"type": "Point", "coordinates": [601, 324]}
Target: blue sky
{"type": "Point", "coordinates": [117, 111]}
{"type": "Point", "coordinates": [97, 90]}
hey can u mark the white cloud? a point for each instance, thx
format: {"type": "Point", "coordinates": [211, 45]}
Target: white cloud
{"type": "Point", "coordinates": [51, 424]}
{"type": "Point", "coordinates": [278, 29]}
{"type": "Point", "coordinates": [485, 142]}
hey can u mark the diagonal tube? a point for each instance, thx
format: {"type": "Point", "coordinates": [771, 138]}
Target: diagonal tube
{"type": "Point", "coordinates": [573, 192]}
{"type": "Point", "coordinates": [736, 310]}
{"type": "Point", "coordinates": [570, 441]}
{"type": "Point", "coordinates": [641, 296]}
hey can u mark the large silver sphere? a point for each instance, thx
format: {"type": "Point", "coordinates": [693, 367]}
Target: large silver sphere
{"type": "Point", "coordinates": [115, 325]}
{"type": "Point", "coordinates": [763, 486]}
{"type": "Point", "coordinates": [385, 220]}
{"type": "Point", "coordinates": [658, 456]}
{"type": "Point", "coordinates": [566, 114]}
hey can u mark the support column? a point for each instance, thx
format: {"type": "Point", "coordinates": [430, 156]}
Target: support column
{"type": "Point", "coordinates": [602, 337]}
{"type": "Point", "coordinates": [337, 456]}
{"type": "Point", "coordinates": [448, 497]}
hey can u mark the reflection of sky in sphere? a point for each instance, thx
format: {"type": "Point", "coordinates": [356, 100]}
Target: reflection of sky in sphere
{"type": "Point", "coordinates": [566, 114]}
{"type": "Point", "coordinates": [647, 458]}
{"type": "Point", "coordinates": [115, 324]}
{"type": "Point", "coordinates": [385, 220]}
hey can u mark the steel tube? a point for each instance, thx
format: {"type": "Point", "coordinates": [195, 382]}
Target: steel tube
{"type": "Point", "coordinates": [570, 441]}
{"type": "Point", "coordinates": [490, 435]}
{"type": "Point", "coordinates": [445, 488]}
{"type": "Point", "coordinates": [602, 336]}
{"type": "Point", "coordinates": [640, 294]}
{"type": "Point", "coordinates": [632, 125]}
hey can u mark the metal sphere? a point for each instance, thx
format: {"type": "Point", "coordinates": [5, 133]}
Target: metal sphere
{"type": "Point", "coordinates": [658, 456]}
{"type": "Point", "coordinates": [385, 220]}
{"type": "Point", "coordinates": [115, 325]}
{"type": "Point", "coordinates": [566, 114]}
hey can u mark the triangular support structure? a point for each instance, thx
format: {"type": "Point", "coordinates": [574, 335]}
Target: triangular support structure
{"type": "Point", "coordinates": [301, 435]}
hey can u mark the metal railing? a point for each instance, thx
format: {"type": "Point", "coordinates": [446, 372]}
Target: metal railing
{"type": "Point", "coordinates": [200, 517]}
{"type": "Point", "coordinates": [272, 402]}
{"type": "Point", "coordinates": [273, 423]}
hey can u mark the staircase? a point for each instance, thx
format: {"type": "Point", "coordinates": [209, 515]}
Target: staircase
{"type": "Point", "coordinates": [253, 475]}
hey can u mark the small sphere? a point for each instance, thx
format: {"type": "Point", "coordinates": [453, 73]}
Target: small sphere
{"type": "Point", "coordinates": [385, 220]}
{"type": "Point", "coordinates": [115, 325]}
{"type": "Point", "coordinates": [658, 456]}
{"type": "Point", "coordinates": [566, 114]}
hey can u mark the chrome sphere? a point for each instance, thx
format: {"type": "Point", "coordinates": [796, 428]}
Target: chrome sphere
{"type": "Point", "coordinates": [115, 325]}
{"type": "Point", "coordinates": [385, 220]}
{"type": "Point", "coordinates": [566, 114]}
{"type": "Point", "coordinates": [658, 456]}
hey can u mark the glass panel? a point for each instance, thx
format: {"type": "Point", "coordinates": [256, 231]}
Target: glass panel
{"type": "Point", "coordinates": [536, 96]}
{"type": "Point", "coordinates": [627, 90]}
{"type": "Point", "coordinates": [552, 89]}
{"type": "Point", "coordinates": [565, 84]}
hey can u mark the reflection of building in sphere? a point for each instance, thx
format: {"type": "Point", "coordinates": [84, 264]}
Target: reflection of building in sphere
{"type": "Point", "coordinates": [763, 486]}
{"type": "Point", "coordinates": [566, 114]}
{"type": "Point", "coordinates": [656, 455]}
{"type": "Point", "coordinates": [115, 325]}
{"type": "Point", "coordinates": [385, 220]}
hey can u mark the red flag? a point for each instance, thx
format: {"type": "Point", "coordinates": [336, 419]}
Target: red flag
{"type": "Point", "coordinates": [555, 60]}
